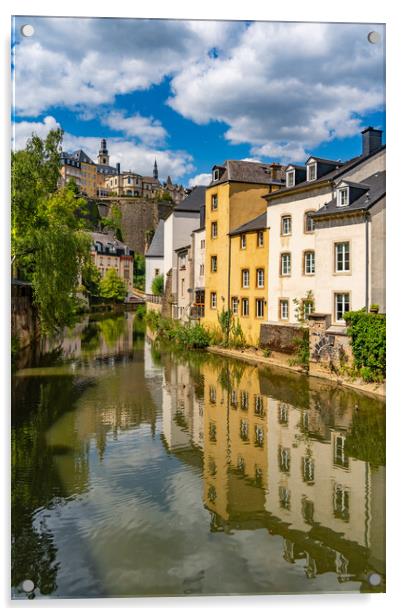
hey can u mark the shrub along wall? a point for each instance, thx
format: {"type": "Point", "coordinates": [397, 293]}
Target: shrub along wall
{"type": "Point", "coordinates": [368, 338]}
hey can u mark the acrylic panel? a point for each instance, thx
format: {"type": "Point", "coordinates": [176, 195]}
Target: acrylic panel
{"type": "Point", "coordinates": [198, 308]}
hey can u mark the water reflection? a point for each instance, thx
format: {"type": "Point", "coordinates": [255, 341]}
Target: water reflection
{"type": "Point", "coordinates": [138, 470]}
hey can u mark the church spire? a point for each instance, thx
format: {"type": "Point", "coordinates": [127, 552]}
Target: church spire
{"type": "Point", "coordinates": [103, 155]}
{"type": "Point", "coordinates": [155, 174]}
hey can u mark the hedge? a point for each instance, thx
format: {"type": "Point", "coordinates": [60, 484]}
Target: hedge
{"type": "Point", "coordinates": [368, 338]}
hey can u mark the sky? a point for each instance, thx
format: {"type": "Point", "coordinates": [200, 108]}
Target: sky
{"type": "Point", "coordinates": [193, 94]}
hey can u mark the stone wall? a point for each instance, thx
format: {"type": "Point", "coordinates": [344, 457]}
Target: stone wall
{"type": "Point", "coordinates": [281, 338]}
{"type": "Point", "coordinates": [24, 319]}
{"type": "Point", "coordinates": [139, 216]}
{"type": "Point", "coordinates": [330, 348]}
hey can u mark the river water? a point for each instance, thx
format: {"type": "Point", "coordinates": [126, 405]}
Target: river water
{"type": "Point", "coordinates": [142, 471]}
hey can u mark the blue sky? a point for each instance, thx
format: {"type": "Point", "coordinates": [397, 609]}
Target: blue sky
{"type": "Point", "coordinates": [194, 93]}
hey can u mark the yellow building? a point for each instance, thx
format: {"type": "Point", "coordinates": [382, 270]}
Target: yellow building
{"type": "Point", "coordinates": [79, 167]}
{"type": "Point", "coordinates": [233, 198]}
{"type": "Point", "coordinates": [248, 280]}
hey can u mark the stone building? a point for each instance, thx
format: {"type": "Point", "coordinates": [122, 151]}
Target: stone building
{"type": "Point", "coordinates": [107, 253]}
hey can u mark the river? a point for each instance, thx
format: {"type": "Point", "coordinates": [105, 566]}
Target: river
{"type": "Point", "coordinates": [142, 471]}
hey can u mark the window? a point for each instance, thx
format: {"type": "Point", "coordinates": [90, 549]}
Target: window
{"type": "Point", "coordinates": [259, 405]}
{"type": "Point", "coordinates": [214, 263]}
{"type": "Point", "coordinates": [308, 307]}
{"type": "Point", "coordinates": [212, 394]}
{"type": "Point", "coordinates": [202, 244]}
{"type": "Point", "coordinates": [341, 502]}
{"type": "Point", "coordinates": [284, 309]}
{"type": "Point", "coordinates": [309, 262]}
{"type": "Point", "coordinates": [214, 230]}
{"type": "Point", "coordinates": [260, 239]}
{"type": "Point", "coordinates": [128, 180]}
{"type": "Point", "coordinates": [235, 305]}
{"type": "Point", "coordinates": [308, 510]}
{"type": "Point", "coordinates": [283, 414]}
{"type": "Point", "coordinates": [243, 430]}
{"type": "Point", "coordinates": [213, 300]}
{"type": "Point", "coordinates": [182, 287]}
{"type": "Point", "coordinates": [308, 469]}
{"type": "Point", "coordinates": [245, 309]}
{"type": "Point", "coordinates": [340, 457]}
{"type": "Point", "coordinates": [342, 257]}
{"type": "Point", "coordinates": [285, 264]}
{"type": "Point", "coordinates": [214, 202]}
{"type": "Point", "coordinates": [342, 196]}
{"type": "Point", "coordinates": [342, 305]}
{"type": "Point", "coordinates": [233, 398]}
{"type": "Point", "coordinates": [309, 225]}
{"type": "Point", "coordinates": [259, 308]}
{"type": "Point", "coordinates": [215, 175]}
{"type": "Point", "coordinates": [284, 497]}
{"type": "Point", "coordinates": [286, 225]}
{"type": "Point", "coordinates": [311, 172]}
{"type": "Point", "coordinates": [245, 278]}
{"type": "Point", "coordinates": [259, 436]}
{"type": "Point", "coordinates": [284, 459]}
{"type": "Point", "coordinates": [260, 278]}
{"type": "Point", "coordinates": [243, 241]}
{"type": "Point", "coordinates": [182, 261]}
{"type": "Point", "coordinates": [244, 400]}
{"type": "Point", "coordinates": [290, 178]}
{"type": "Point", "coordinates": [201, 269]}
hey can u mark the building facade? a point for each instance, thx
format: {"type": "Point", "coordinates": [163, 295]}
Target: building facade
{"type": "Point", "coordinates": [154, 258]}
{"type": "Point", "coordinates": [79, 167]}
{"type": "Point", "coordinates": [234, 197]}
{"type": "Point", "coordinates": [109, 253]}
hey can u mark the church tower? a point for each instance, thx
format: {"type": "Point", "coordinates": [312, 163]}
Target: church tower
{"type": "Point", "coordinates": [155, 174]}
{"type": "Point", "coordinates": [103, 155]}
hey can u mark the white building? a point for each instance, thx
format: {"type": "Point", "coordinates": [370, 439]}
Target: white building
{"type": "Point", "coordinates": [326, 235]}
{"type": "Point", "coordinates": [154, 259]}
{"type": "Point", "coordinates": [198, 278]}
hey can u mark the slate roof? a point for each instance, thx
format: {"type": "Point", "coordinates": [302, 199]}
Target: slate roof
{"type": "Point", "coordinates": [257, 224]}
{"type": "Point", "coordinates": [149, 179]}
{"type": "Point", "coordinates": [246, 171]}
{"type": "Point", "coordinates": [332, 175]}
{"type": "Point", "coordinates": [375, 185]}
{"type": "Point", "coordinates": [106, 169]}
{"type": "Point", "coordinates": [193, 202]}
{"type": "Point", "coordinates": [107, 238]}
{"type": "Point", "coordinates": [156, 248]}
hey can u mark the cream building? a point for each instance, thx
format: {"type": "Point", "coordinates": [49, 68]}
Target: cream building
{"type": "Point", "coordinates": [326, 235]}
{"type": "Point", "coordinates": [154, 258]}
{"type": "Point", "coordinates": [198, 269]}
{"type": "Point", "coordinates": [109, 253]}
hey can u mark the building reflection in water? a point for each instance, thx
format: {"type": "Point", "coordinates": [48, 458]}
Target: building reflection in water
{"type": "Point", "coordinates": [276, 455]}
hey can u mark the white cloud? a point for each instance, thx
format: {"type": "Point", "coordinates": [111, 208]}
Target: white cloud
{"type": "Point", "coordinates": [202, 179]}
{"type": "Point", "coordinates": [131, 155]}
{"type": "Point", "coordinates": [147, 130]}
{"type": "Point", "coordinates": [286, 88]}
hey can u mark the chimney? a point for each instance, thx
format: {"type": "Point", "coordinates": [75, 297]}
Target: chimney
{"type": "Point", "coordinates": [275, 171]}
{"type": "Point", "coordinates": [118, 168]}
{"type": "Point", "coordinates": [371, 140]}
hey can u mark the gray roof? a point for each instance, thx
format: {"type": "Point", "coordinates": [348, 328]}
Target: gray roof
{"type": "Point", "coordinates": [328, 177]}
{"type": "Point", "coordinates": [193, 202]}
{"type": "Point", "coordinates": [107, 238]}
{"type": "Point", "coordinates": [374, 190]}
{"type": "Point", "coordinates": [106, 169]}
{"type": "Point", "coordinates": [251, 172]}
{"type": "Point", "coordinates": [257, 224]}
{"type": "Point", "coordinates": [156, 248]}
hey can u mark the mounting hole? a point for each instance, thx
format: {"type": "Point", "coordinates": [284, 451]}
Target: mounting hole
{"type": "Point", "coordinates": [374, 37]}
{"type": "Point", "coordinates": [27, 30]}
{"type": "Point", "coordinates": [374, 579]}
{"type": "Point", "coordinates": [28, 585]}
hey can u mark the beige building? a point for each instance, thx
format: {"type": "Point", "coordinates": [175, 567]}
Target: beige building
{"type": "Point", "coordinates": [326, 236]}
{"type": "Point", "coordinates": [109, 253]}
{"type": "Point", "coordinates": [80, 168]}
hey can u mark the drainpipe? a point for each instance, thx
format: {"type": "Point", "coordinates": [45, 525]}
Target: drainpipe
{"type": "Point", "coordinates": [229, 274]}
{"type": "Point", "coordinates": [366, 220]}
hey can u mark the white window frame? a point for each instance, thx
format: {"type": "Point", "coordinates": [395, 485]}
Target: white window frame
{"type": "Point", "coordinates": [344, 252]}
{"type": "Point", "coordinates": [245, 278]}
{"type": "Point", "coordinates": [307, 217]}
{"type": "Point", "coordinates": [215, 175]}
{"type": "Point", "coordinates": [214, 263]}
{"type": "Point", "coordinates": [290, 178]}
{"type": "Point", "coordinates": [284, 314]}
{"type": "Point", "coordinates": [289, 267]}
{"type": "Point", "coordinates": [288, 219]}
{"type": "Point", "coordinates": [235, 305]}
{"type": "Point", "coordinates": [342, 196]}
{"type": "Point", "coordinates": [260, 278]}
{"type": "Point", "coordinates": [308, 253]}
{"type": "Point", "coordinates": [213, 300]}
{"type": "Point", "coordinates": [214, 202]}
{"type": "Point", "coordinates": [214, 230]}
{"type": "Point", "coordinates": [245, 302]}
{"type": "Point", "coordinates": [260, 239]}
{"type": "Point", "coordinates": [344, 302]}
{"type": "Point", "coordinates": [312, 171]}
{"type": "Point", "coordinates": [259, 308]}
{"type": "Point", "coordinates": [243, 241]}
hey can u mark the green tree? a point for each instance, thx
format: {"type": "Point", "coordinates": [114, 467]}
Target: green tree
{"type": "Point", "coordinates": [91, 278]}
{"type": "Point", "coordinates": [157, 285]}
{"type": "Point", "coordinates": [139, 271]}
{"type": "Point", "coordinates": [113, 222]}
{"type": "Point", "coordinates": [112, 287]}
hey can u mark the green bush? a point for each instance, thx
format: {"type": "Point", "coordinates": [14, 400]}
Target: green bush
{"type": "Point", "coordinates": [186, 336]}
{"type": "Point", "coordinates": [157, 285]}
{"type": "Point", "coordinates": [302, 356]}
{"type": "Point", "coordinates": [140, 311]}
{"type": "Point", "coordinates": [112, 287]}
{"type": "Point", "coordinates": [368, 339]}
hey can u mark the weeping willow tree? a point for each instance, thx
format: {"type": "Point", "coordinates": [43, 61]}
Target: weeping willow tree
{"type": "Point", "coordinates": [48, 242]}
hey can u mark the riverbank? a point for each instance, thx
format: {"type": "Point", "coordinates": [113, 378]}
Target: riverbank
{"type": "Point", "coordinates": [281, 360]}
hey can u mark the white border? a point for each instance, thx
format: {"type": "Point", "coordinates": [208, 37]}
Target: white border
{"type": "Point", "coordinates": [293, 10]}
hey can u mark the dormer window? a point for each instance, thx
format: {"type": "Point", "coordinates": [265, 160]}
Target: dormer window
{"type": "Point", "coordinates": [342, 196]}
{"type": "Point", "coordinates": [290, 178]}
{"type": "Point", "coordinates": [311, 172]}
{"type": "Point", "coordinates": [215, 175]}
